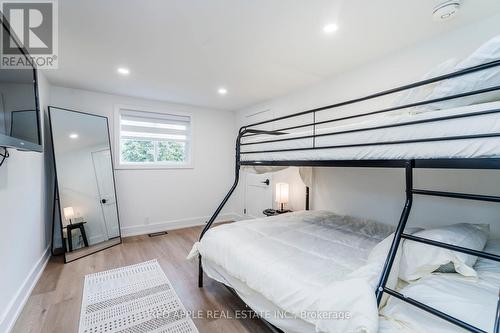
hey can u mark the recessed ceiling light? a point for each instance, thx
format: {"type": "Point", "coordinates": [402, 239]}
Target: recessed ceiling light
{"type": "Point", "coordinates": [330, 28]}
{"type": "Point", "coordinates": [73, 136]}
{"type": "Point", "coordinates": [123, 71]}
{"type": "Point", "coordinates": [222, 91]}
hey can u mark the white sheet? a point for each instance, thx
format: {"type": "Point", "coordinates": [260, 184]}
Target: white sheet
{"type": "Point", "coordinates": [306, 263]}
{"type": "Point", "coordinates": [471, 300]}
{"type": "Point", "coordinates": [450, 149]}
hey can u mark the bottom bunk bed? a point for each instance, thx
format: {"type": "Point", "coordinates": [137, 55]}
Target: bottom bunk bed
{"type": "Point", "coordinates": [316, 271]}
{"type": "Point", "coordinates": [300, 262]}
{"type": "Point", "coordinates": [302, 265]}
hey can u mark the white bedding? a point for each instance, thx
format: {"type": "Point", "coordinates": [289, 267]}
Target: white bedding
{"type": "Point", "coordinates": [477, 148]}
{"type": "Point", "coordinates": [261, 305]}
{"type": "Point", "coordinates": [471, 300]}
{"type": "Point", "coordinates": [305, 263]}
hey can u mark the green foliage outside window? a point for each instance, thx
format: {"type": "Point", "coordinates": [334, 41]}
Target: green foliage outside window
{"type": "Point", "coordinates": [139, 151]}
{"type": "Point", "coordinates": [170, 151]}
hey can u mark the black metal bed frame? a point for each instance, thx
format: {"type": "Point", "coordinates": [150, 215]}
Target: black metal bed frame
{"type": "Point", "coordinates": [408, 165]}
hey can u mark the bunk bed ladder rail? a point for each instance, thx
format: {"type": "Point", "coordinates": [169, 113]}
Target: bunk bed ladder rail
{"type": "Point", "coordinates": [221, 205]}
{"type": "Point", "coordinates": [497, 321]}
{"type": "Point", "coordinates": [237, 165]}
{"type": "Point", "coordinates": [400, 234]}
{"type": "Point", "coordinates": [399, 231]}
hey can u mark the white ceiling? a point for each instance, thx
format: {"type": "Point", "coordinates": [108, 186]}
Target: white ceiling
{"type": "Point", "coordinates": [184, 50]}
{"type": "Point", "coordinates": [91, 130]}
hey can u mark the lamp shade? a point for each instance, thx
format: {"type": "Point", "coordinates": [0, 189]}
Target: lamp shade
{"type": "Point", "coordinates": [282, 193]}
{"type": "Point", "coordinates": [69, 213]}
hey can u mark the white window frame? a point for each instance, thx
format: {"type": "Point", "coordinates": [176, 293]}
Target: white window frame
{"type": "Point", "coordinates": [155, 165]}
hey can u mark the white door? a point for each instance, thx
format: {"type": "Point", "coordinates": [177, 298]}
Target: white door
{"type": "Point", "coordinates": [258, 194]}
{"type": "Point", "coordinates": [258, 188]}
{"type": "Point", "coordinates": [106, 186]}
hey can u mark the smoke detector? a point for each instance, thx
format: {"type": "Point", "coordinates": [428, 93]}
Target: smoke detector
{"type": "Point", "coordinates": [446, 10]}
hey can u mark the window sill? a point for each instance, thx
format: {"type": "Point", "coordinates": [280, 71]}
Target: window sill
{"type": "Point", "coordinates": [152, 166]}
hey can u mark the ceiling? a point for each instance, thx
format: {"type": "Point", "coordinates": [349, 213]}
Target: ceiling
{"type": "Point", "coordinates": [184, 50]}
{"type": "Point", "coordinates": [92, 131]}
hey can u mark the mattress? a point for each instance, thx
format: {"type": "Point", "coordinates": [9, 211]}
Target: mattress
{"type": "Point", "coordinates": [467, 148]}
{"type": "Point", "coordinates": [319, 267]}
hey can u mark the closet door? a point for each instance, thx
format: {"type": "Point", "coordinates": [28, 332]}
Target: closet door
{"type": "Point", "coordinates": [258, 188]}
{"type": "Point", "coordinates": [104, 179]}
{"type": "Point", "coordinates": [258, 194]}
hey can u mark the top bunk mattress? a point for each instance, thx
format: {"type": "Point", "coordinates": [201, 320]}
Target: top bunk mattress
{"type": "Point", "coordinates": [463, 148]}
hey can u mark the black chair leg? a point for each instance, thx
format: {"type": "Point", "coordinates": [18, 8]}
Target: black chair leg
{"type": "Point", "coordinates": [70, 241]}
{"type": "Point", "coordinates": [84, 236]}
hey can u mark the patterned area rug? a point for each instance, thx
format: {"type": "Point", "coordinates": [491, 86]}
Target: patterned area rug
{"type": "Point", "coordinates": [132, 299]}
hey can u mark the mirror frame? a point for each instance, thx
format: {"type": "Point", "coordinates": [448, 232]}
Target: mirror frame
{"type": "Point", "coordinates": [57, 198]}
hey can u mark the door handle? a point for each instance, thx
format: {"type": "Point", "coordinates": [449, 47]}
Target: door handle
{"type": "Point", "coordinates": [103, 201]}
{"type": "Point", "coordinates": [267, 182]}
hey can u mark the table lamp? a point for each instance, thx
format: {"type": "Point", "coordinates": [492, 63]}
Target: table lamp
{"type": "Point", "coordinates": [282, 195]}
{"type": "Point", "coordinates": [69, 213]}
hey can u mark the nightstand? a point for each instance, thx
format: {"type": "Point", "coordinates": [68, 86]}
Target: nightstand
{"type": "Point", "coordinates": [70, 228]}
{"type": "Point", "coordinates": [274, 212]}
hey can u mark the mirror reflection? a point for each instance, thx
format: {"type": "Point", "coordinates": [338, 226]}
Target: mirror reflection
{"type": "Point", "coordinates": [18, 109]}
{"type": "Point", "coordinates": [86, 187]}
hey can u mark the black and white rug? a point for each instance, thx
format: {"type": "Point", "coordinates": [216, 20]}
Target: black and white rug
{"type": "Point", "coordinates": [132, 299]}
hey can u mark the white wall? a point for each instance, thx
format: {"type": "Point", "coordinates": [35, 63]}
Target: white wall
{"type": "Point", "coordinates": [378, 194]}
{"type": "Point", "coordinates": [153, 200]}
{"type": "Point", "coordinates": [25, 229]}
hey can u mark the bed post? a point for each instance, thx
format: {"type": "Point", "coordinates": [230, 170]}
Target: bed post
{"type": "Point", "coordinates": [222, 204]}
{"type": "Point", "coordinates": [496, 329]}
{"type": "Point", "coordinates": [399, 230]}
{"type": "Point", "coordinates": [307, 197]}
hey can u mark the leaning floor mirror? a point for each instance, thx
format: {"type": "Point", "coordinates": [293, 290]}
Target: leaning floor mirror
{"type": "Point", "coordinates": [85, 196]}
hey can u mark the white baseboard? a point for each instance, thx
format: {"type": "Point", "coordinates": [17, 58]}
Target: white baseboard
{"type": "Point", "coordinates": [175, 224]}
{"type": "Point", "coordinates": [16, 305]}
{"type": "Point", "coordinates": [97, 239]}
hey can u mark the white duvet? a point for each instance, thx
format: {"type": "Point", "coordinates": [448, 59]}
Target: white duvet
{"type": "Point", "coordinates": [314, 265]}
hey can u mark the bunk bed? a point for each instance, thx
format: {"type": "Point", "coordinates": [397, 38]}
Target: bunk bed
{"type": "Point", "coordinates": [451, 137]}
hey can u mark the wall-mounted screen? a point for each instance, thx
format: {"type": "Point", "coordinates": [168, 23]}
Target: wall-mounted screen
{"type": "Point", "coordinates": [19, 110]}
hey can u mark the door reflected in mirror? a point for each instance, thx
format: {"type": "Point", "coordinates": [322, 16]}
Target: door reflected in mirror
{"type": "Point", "coordinates": [85, 182]}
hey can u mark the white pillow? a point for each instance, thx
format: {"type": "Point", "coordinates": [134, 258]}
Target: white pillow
{"type": "Point", "coordinates": [472, 302]}
{"type": "Point", "coordinates": [486, 265]}
{"type": "Point", "coordinates": [420, 259]}
{"type": "Point", "coordinates": [376, 260]}
{"type": "Point", "coordinates": [422, 93]}
{"type": "Point", "coordinates": [488, 52]}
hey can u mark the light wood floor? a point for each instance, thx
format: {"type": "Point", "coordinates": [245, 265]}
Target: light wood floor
{"type": "Point", "coordinates": [84, 251]}
{"type": "Point", "coordinates": [54, 305]}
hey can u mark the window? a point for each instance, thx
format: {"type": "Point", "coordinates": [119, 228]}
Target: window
{"type": "Point", "coordinates": [152, 139]}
